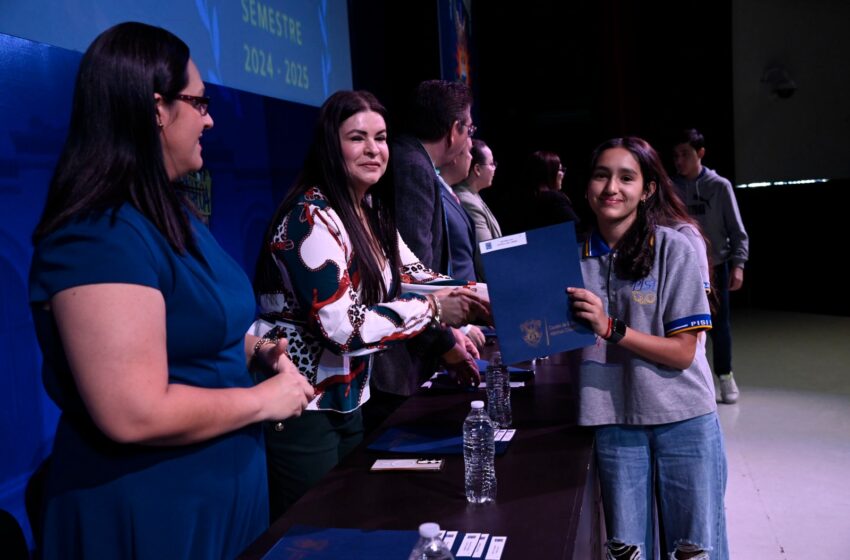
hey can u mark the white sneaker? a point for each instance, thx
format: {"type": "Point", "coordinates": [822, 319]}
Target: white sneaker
{"type": "Point", "coordinates": [728, 389]}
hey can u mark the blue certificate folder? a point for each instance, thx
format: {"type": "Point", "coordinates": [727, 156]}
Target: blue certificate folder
{"type": "Point", "coordinates": [426, 440]}
{"type": "Point", "coordinates": [302, 542]}
{"type": "Point", "coordinates": [527, 274]}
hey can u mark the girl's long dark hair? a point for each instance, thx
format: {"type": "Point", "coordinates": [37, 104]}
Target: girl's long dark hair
{"type": "Point", "coordinates": [325, 168]}
{"type": "Point", "coordinates": [112, 154]}
{"type": "Point", "coordinates": [636, 249]}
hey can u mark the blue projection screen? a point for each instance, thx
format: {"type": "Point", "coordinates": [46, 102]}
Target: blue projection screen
{"type": "Point", "coordinates": [297, 50]}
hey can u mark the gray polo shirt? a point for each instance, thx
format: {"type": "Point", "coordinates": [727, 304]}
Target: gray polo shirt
{"type": "Point", "coordinates": [616, 385]}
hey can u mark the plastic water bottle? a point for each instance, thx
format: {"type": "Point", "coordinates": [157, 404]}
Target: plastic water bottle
{"type": "Point", "coordinates": [479, 451]}
{"type": "Point", "coordinates": [430, 546]}
{"type": "Point", "coordinates": [499, 392]}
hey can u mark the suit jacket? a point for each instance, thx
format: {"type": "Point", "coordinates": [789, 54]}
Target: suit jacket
{"type": "Point", "coordinates": [484, 222]}
{"type": "Point", "coordinates": [400, 369]}
{"type": "Point", "coordinates": [419, 209]}
{"type": "Point", "coordinates": [460, 237]}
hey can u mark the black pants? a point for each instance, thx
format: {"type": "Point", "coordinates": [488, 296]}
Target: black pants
{"type": "Point", "coordinates": [721, 328]}
{"type": "Point", "coordinates": [308, 447]}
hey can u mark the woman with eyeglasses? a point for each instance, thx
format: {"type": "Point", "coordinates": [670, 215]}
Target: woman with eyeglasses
{"type": "Point", "coordinates": [329, 279]}
{"type": "Point", "coordinates": [480, 177]}
{"type": "Point", "coordinates": [542, 203]}
{"type": "Point", "coordinates": [141, 317]}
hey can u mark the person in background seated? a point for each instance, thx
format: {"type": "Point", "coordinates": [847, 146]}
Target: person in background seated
{"type": "Point", "coordinates": [329, 280]}
{"type": "Point", "coordinates": [646, 386]}
{"type": "Point", "coordinates": [480, 177]}
{"type": "Point", "coordinates": [141, 317]}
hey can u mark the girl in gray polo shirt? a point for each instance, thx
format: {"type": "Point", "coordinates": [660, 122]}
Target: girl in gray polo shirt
{"type": "Point", "coordinates": [646, 384]}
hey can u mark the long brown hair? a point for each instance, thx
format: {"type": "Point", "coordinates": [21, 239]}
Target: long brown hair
{"type": "Point", "coordinates": [664, 207]}
{"type": "Point", "coordinates": [112, 154]}
{"type": "Point", "coordinates": [325, 168]}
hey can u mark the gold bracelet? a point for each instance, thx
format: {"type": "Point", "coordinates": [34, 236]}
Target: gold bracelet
{"type": "Point", "coordinates": [269, 337]}
{"type": "Point", "coordinates": [437, 308]}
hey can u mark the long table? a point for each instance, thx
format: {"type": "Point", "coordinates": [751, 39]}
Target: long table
{"type": "Point", "coordinates": [547, 503]}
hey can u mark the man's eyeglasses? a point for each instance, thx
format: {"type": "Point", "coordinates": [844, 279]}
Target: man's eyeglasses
{"type": "Point", "coordinates": [202, 104]}
{"type": "Point", "coordinates": [470, 129]}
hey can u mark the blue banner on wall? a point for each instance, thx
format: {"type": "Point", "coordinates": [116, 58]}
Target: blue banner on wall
{"type": "Point", "coordinates": [296, 50]}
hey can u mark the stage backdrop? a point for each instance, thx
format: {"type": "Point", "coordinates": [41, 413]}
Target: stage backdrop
{"type": "Point", "coordinates": [252, 155]}
{"type": "Point", "coordinates": [294, 50]}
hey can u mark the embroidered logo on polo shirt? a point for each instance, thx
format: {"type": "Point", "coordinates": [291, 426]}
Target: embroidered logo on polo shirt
{"type": "Point", "coordinates": [644, 291]}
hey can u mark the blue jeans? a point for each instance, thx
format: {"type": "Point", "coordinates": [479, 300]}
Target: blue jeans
{"type": "Point", "coordinates": [721, 324]}
{"type": "Point", "coordinates": [685, 463]}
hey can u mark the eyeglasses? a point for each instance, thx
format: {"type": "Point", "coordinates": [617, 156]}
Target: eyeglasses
{"type": "Point", "coordinates": [470, 129]}
{"type": "Point", "coordinates": [562, 169]}
{"type": "Point", "coordinates": [202, 104]}
{"type": "Point", "coordinates": [493, 165]}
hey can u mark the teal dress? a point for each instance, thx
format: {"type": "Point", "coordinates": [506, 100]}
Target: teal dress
{"type": "Point", "coordinates": [111, 500]}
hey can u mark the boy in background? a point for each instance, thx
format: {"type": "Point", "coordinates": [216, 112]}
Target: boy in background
{"type": "Point", "coordinates": [711, 201]}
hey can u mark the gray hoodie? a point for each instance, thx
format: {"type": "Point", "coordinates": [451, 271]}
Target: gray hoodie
{"type": "Point", "coordinates": [711, 201]}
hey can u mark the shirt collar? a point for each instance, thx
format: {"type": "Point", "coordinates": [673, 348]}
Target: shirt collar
{"type": "Point", "coordinates": [595, 246]}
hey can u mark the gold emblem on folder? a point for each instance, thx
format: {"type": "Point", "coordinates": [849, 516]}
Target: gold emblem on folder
{"type": "Point", "coordinates": [532, 332]}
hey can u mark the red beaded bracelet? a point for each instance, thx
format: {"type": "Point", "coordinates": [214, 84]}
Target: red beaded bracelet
{"type": "Point", "coordinates": [607, 334]}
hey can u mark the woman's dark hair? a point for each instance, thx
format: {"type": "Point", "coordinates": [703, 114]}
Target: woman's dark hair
{"type": "Point", "coordinates": [542, 170]}
{"type": "Point", "coordinates": [477, 152]}
{"type": "Point", "coordinates": [325, 168]}
{"type": "Point", "coordinates": [113, 153]}
{"type": "Point", "coordinates": [636, 251]}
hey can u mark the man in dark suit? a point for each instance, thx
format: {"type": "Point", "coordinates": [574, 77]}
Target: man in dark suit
{"type": "Point", "coordinates": [439, 126]}
{"type": "Point", "coordinates": [460, 235]}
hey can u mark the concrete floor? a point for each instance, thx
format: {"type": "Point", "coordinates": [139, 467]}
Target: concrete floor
{"type": "Point", "coordinates": [788, 437]}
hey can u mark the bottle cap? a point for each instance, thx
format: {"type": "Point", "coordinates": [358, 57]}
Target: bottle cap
{"type": "Point", "coordinates": [477, 404]}
{"type": "Point", "coordinates": [429, 530]}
